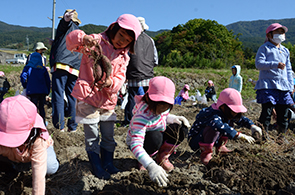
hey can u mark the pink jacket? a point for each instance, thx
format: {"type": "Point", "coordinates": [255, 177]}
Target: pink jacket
{"type": "Point", "coordinates": [184, 94]}
{"type": "Point", "coordinates": [107, 97]}
{"type": "Point", "coordinates": [38, 158]}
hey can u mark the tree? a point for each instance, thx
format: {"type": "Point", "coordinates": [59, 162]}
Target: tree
{"type": "Point", "coordinates": [187, 45]}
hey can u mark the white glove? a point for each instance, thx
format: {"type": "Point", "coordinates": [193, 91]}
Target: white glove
{"type": "Point", "coordinates": [157, 174]}
{"type": "Point", "coordinates": [68, 16]}
{"type": "Point", "coordinates": [171, 118]}
{"type": "Point", "coordinates": [255, 128]}
{"type": "Point", "coordinates": [247, 138]}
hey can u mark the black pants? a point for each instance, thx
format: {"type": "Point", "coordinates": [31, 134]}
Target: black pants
{"type": "Point", "coordinates": [282, 115]}
{"type": "Point", "coordinates": [132, 91]}
{"type": "Point", "coordinates": [174, 134]}
{"type": "Point", "coordinates": [39, 100]}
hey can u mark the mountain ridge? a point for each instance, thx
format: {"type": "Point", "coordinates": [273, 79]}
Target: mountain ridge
{"type": "Point", "coordinates": [251, 33]}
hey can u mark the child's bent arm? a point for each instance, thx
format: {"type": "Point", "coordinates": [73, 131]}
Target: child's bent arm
{"type": "Point", "coordinates": [39, 165]}
{"type": "Point", "coordinates": [75, 40]}
{"type": "Point", "coordinates": [262, 63]}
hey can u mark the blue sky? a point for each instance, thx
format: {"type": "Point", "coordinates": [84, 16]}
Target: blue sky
{"type": "Point", "coordinates": [159, 14]}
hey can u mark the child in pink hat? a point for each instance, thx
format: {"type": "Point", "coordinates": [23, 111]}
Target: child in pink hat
{"type": "Point", "coordinates": [213, 125]}
{"type": "Point", "coordinates": [275, 83]}
{"type": "Point", "coordinates": [183, 95]}
{"type": "Point", "coordinates": [154, 130]}
{"type": "Point", "coordinates": [96, 99]}
{"type": "Point", "coordinates": [210, 92]}
{"type": "Point", "coordinates": [24, 138]}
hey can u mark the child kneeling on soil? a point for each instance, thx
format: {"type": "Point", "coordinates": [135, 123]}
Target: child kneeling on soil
{"type": "Point", "coordinates": [148, 134]}
{"type": "Point", "coordinates": [24, 139]}
{"type": "Point", "coordinates": [212, 125]}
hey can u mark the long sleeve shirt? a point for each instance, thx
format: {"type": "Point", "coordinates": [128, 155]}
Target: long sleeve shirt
{"type": "Point", "coordinates": [38, 158]}
{"type": "Point", "coordinates": [217, 121]}
{"type": "Point", "coordinates": [83, 89]}
{"type": "Point", "coordinates": [143, 121]}
{"type": "Point", "coordinates": [270, 76]}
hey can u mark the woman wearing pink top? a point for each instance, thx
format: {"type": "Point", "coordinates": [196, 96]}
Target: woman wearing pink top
{"type": "Point", "coordinates": [24, 139]}
{"type": "Point", "coordinates": [96, 100]}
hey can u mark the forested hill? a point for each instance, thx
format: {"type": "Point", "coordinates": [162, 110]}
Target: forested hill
{"type": "Point", "coordinates": [14, 36]}
{"type": "Point", "coordinates": [253, 32]}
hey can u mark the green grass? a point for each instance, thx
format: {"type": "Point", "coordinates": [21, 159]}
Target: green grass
{"type": "Point", "coordinates": [220, 78]}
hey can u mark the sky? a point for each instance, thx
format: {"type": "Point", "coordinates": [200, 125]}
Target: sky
{"type": "Point", "coordinates": [159, 14]}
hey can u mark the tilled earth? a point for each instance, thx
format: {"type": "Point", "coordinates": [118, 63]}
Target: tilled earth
{"type": "Point", "coordinates": [261, 168]}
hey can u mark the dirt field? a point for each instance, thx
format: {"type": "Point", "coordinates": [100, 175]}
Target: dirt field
{"type": "Point", "coordinates": [263, 168]}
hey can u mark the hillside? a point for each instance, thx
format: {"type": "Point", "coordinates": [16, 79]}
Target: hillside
{"type": "Point", "coordinates": [14, 36]}
{"type": "Point", "coordinates": [253, 32]}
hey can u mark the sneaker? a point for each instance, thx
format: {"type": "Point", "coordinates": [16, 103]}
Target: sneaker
{"type": "Point", "coordinates": [69, 130]}
{"type": "Point", "coordinates": [62, 130]}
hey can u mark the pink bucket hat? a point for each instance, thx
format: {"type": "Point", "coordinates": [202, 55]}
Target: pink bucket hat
{"type": "Point", "coordinates": [2, 74]}
{"type": "Point", "coordinates": [275, 26]}
{"type": "Point", "coordinates": [18, 115]}
{"type": "Point", "coordinates": [232, 98]}
{"type": "Point", "coordinates": [186, 86]}
{"type": "Point", "coordinates": [130, 22]}
{"type": "Point", "coordinates": [211, 82]}
{"type": "Point", "coordinates": [161, 89]}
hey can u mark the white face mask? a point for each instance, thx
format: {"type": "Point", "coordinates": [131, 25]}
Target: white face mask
{"type": "Point", "coordinates": [278, 38]}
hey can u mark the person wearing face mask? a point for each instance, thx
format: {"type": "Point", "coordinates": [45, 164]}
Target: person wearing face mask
{"type": "Point", "coordinates": [275, 82]}
{"type": "Point", "coordinates": [214, 125]}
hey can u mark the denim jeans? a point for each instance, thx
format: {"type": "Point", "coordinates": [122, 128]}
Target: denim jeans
{"type": "Point", "coordinates": [62, 85]}
{"type": "Point", "coordinates": [52, 162]}
{"type": "Point", "coordinates": [132, 91]}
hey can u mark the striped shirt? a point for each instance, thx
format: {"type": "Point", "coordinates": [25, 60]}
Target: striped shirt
{"type": "Point", "coordinates": [143, 121]}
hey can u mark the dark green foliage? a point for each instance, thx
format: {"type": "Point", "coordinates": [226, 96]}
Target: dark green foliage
{"type": "Point", "coordinates": [199, 43]}
{"type": "Point", "coordinates": [93, 29]}
{"type": "Point", "coordinates": [253, 32]}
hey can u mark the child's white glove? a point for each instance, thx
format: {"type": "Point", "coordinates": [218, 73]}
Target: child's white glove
{"type": "Point", "coordinates": [255, 128]}
{"type": "Point", "coordinates": [68, 16]}
{"type": "Point", "coordinates": [247, 138]}
{"type": "Point", "coordinates": [171, 118]}
{"type": "Point", "coordinates": [157, 174]}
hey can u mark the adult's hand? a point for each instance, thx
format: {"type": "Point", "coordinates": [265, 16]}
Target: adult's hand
{"type": "Point", "coordinates": [68, 16]}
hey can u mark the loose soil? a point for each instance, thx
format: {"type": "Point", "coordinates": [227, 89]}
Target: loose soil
{"type": "Point", "coordinates": [266, 167]}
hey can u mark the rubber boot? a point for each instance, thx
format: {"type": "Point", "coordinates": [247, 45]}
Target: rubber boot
{"type": "Point", "coordinates": [162, 157]}
{"type": "Point", "coordinates": [95, 162]}
{"type": "Point", "coordinates": [282, 139]}
{"type": "Point", "coordinates": [107, 161]}
{"type": "Point", "coordinates": [207, 151]}
{"type": "Point", "coordinates": [221, 148]}
{"type": "Point", "coordinates": [266, 136]}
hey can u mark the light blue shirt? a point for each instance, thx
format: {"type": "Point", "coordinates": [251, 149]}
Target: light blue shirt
{"type": "Point", "coordinates": [270, 76]}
